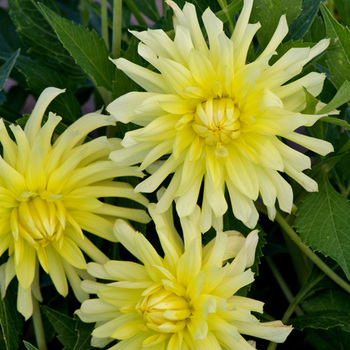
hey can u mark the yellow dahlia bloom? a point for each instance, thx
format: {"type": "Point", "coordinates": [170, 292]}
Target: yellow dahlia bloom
{"type": "Point", "coordinates": [183, 301]}
{"type": "Point", "coordinates": [49, 193]}
{"type": "Point", "coordinates": [212, 115]}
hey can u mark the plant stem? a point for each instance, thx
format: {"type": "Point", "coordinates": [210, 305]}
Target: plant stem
{"type": "Point", "coordinates": [117, 28]}
{"type": "Point", "coordinates": [135, 11]}
{"type": "Point", "coordinates": [165, 6]}
{"type": "Point", "coordinates": [283, 285]}
{"type": "Point", "coordinates": [310, 254]}
{"type": "Point", "coordinates": [223, 5]}
{"type": "Point", "coordinates": [38, 325]}
{"type": "Point", "coordinates": [104, 22]}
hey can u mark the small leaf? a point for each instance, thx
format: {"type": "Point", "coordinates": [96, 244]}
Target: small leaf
{"type": "Point", "coordinates": [84, 334]}
{"type": "Point", "coordinates": [269, 12]}
{"type": "Point", "coordinates": [148, 8]}
{"type": "Point", "coordinates": [341, 97]}
{"type": "Point", "coordinates": [6, 68]}
{"type": "Point", "coordinates": [343, 8]}
{"type": "Point", "coordinates": [336, 121]}
{"type": "Point", "coordinates": [39, 36]}
{"type": "Point", "coordinates": [339, 49]}
{"type": "Point", "coordinates": [87, 48]}
{"type": "Point", "coordinates": [299, 27]}
{"type": "Point", "coordinates": [324, 224]}
{"type": "Point", "coordinates": [10, 319]}
{"type": "Point", "coordinates": [323, 320]}
{"type": "Point", "coordinates": [231, 10]}
{"type": "Point", "coordinates": [64, 326]}
{"type": "Point", "coordinates": [29, 346]}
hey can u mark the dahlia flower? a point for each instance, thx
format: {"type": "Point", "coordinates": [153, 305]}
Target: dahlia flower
{"type": "Point", "coordinates": [184, 300]}
{"type": "Point", "coordinates": [49, 194]}
{"type": "Point", "coordinates": [208, 114]}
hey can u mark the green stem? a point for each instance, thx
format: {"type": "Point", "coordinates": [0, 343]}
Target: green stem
{"type": "Point", "coordinates": [165, 6]}
{"type": "Point", "coordinates": [38, 325]}
{"type": "Point", "coordinates": [104, 22]}
{"type": "Point", "coordinates": [117, 28]}
{"type": "Point", "coordinates": [223, 5]}
{"type": "Point", "coordinates": [135, 11]}
{"type": "Point", "coordinates": [336, 121]}
{"type": "Point", "coordinates": [283, 285]}
{"type": "Point", "coordinates": [310, 254]}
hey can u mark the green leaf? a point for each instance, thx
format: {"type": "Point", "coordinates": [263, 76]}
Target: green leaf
{"type": "Point", "coordinates": [341, 97]}
{"type": "Point", "coordinates": [323, 320]}
{"type": "Point", "coordinates": [9, 39]}
{"type": "Point", "coordinates": [10, 319]}
{"type": "Point", "coordinates": [87, 48]}
{"type": "Point", "coordinates": [343, 8]}
{"type": "Point", "coordinates": [336, 121]}
{"type": "Point", "coordinates": [299, 27]}
{"type": "Point", "coordinates": [231, 10]}
{"type": "Point", "coordinates": [333, 338]}
{"type": "Point", "coordinates": [148, 8]}
{"type": "Point", "coordinates": [29, 346]}
{"type": "Point", "coordinates": [311, 102]}
{"type": "Point", "coordinates": [39, 36]}
{"type": "Point", "coordinates": [6, 68]}
{"type": "Point", "coordinates": [66, 105]}
{"type": "Point", "coordinates": [64, 326]}
{"type": "Point", "coordinates": [84, 335]}
{"type": "Point", "coordinates": [324, 224]}
{"type": "Point", "coordinates": [268, 13]}
{"type": "Point", "coordinates": [339, 50]}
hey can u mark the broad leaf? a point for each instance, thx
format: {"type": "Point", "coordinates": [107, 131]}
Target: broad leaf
{"type": "Point", "coordinates": [66, 105]}
{"type": "Point", "coordinates": [343, 8]}
{"type": "Point", "coordinates": [323, 320]}
{"type": "Point", "coordinates": [339, 49]}
{"type": "Point", "coordinates": [6, 68]}
{"type": "Point", "coordinates": [64, 326]}
{"type": "Point", "coordinates": [148, 8]}
{"type": "Point", "coordinates": [9, 39]}
{"type": "Point", "coordinates": [10, 319]}
{"type": "Point", "coordinates": [38, 34]}
{"type": "Point", "coordinates": [87, 48]}
{"type": "Point", "coordinates": [341, 97]}
{"type": "Point", "coordinates": [268, 13]}
{"type": "Point", "coordinates": [84, 335]}
{"type": "Point", "coordinates": [333, 338]}
{"type": "Point", "coordinates": [299, 27]}
{"type": "Point", "coordinates": [324, 224]}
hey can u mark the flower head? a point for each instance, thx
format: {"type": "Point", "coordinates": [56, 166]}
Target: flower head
{"type": "Point", "coordinates": [49, 194]}
{"type": "Point", "coordinates": [217, 117]}
{"type": "Point", "coordinates": [184, 300]}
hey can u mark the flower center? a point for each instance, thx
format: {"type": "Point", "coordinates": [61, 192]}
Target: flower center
{"type": "Point", "coordinates": [38, 218]}
{"type": "Point", "coordinates": [164, 311]}
{"type": "Point", "coordinates": [217, 121]}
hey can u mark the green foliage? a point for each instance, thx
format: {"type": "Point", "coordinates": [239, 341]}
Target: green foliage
{"type": "Point", "coordinates": [339, 50]}
{"type": "Point", "coordinates": [343, 9]}
{"type": "Point", "coordinates": [10, 320]}
{"type": "Point", "coordinates": [87, 48]}
{"type": "Point", "coordinates": [57, 43]}
{"type": "Point", "coordinates": [64, 326]}
{"type": "Point", "coordinates": [29, 346]}
{"type": "Point", "coordinates": [323, 222]}
{"type": "Point", "coordinates": [299, 27]}
{"type": "Point", "coordinates": [268, 13]}
{"type": "Point", "coordinates": [6, 68]}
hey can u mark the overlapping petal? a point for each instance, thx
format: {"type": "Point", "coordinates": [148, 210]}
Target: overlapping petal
{"type": "Point", "coordinates": [218, 119]}
{"type": "Point", "coordinates": [182, 300]}
{"type": "Point", "coordinates": [50, 193]}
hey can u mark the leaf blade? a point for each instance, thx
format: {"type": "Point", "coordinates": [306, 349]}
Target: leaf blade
{"type": "Point", "coordinates": [87, 48]}
{"type": "Point", "coordinates": [324, 224]}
